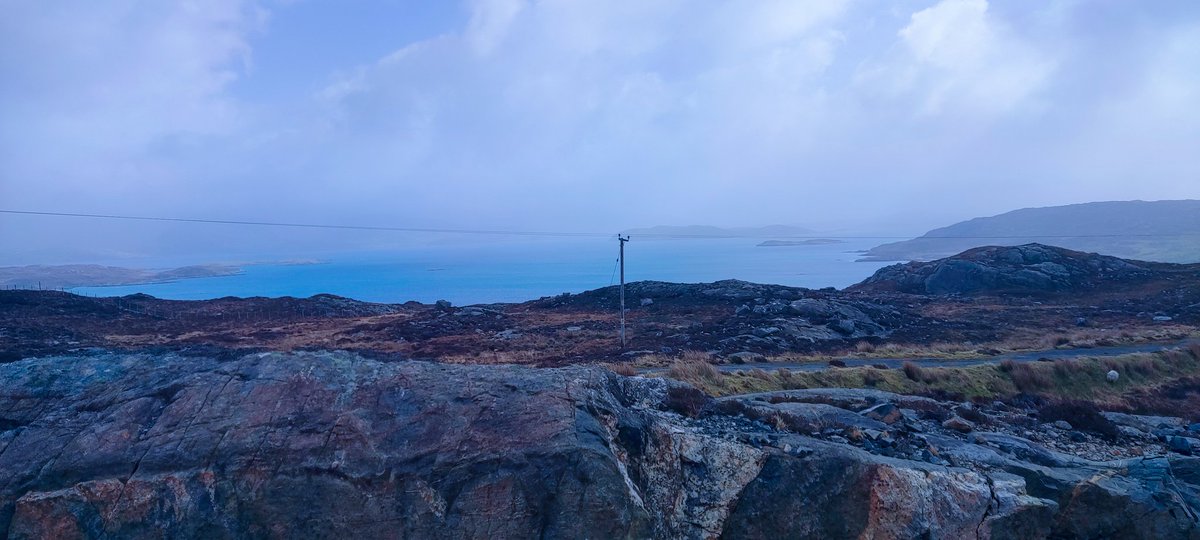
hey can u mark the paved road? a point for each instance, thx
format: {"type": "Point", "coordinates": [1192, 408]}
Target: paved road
{"type": "Point", "coordinates": [895, 363]}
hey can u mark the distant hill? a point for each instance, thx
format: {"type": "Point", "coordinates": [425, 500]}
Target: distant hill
{"type": "Point", "coordinates": [708, 231]}
{"type": "Point", "coordinates": [85, 275]}
{"type": "Point", "coordinates": [1027, 269]}
{"type": "Point", "coordinates": [1166, 231]}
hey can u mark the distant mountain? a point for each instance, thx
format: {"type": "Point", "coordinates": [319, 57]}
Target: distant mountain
{"type": "Point", "coordinates": [1167, 231]}
{"type": "Point", "coordinates": [708, 231]}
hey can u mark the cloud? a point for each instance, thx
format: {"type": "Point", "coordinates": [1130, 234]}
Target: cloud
{"type": "Point", "coordinates": [956, 57]}
{"type": "Point", "coordinates": [490, 21]}
{"type": "Point", "coordinates": [600, 115]}
{"type": "Point", "coordinates": [94, 87]}
{"type": "Point", "coordinates": [602, 97]}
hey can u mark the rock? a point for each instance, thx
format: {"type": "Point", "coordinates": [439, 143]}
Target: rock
{"type": "Point", "coordinates": [1194, 428]}
{"type": "Point", "coordinates": [574, 328]}
{"type": "Point", "coordinates": [1076, 436]}
{"type": "Point", "coordinates": [1063, 425]}
{"type": "Point", "coordinates": [443, 305]}
{"type": "Point", "coordinates": [841, 317]}
{"type": "Point", "coordinates": [1028, 269]}
{"type": "Point", "coordinates": [647, 301]}
{"type": "Point", "coordinates": [1112, 376]}
{"type": "Point", "coordinates": [766, 331]}
{"type": "Point", "coordinates": [810, 417]}
{"type": "Point", "coordinates": [1183, 445]}
{"type": "Point", "coordinates": [746, 357]}
{"type": "Point", "coordinates": [335, 445]}
{"type": "Point", "coordinates": [958, 423]}
{"type": "Point", "coordinates": [844, 326]}
{"type": "Point", "coordinates": [1144, 423]}
{"type": "Point", "coordinates": [1164, 434]}
{"type": "Point", "coordinates": [887, 413]}
{"type": "Point", "coordinates": [508, 334]}
{"type": "Point", "coordinates": [1131, 432]}
{"type": "Point", "coordinates": [851, 399]}
{"type": "Point", "coordinates": [1162, 318]}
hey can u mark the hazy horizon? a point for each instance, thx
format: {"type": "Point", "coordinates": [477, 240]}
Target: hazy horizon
{"type": "Point", "coordinates": [843, 115]}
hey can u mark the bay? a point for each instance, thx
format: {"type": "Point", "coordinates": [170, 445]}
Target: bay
{"type": "Point", "coordinates": [518, 271]}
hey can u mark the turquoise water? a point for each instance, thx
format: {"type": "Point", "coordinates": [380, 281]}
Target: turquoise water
{"type": "Point", "coordinates": [513, 272]}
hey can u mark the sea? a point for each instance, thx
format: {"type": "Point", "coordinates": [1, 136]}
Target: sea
{"type": "Point", "coordinates": [516, 271]}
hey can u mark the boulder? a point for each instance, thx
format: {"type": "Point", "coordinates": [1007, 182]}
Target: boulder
{"type": "Point", "coordinates": [746, 357]}
{"type": "Point", "coordinates": [887, 413]}
{"type": "Point", "coordinates": [1183, 445]}
{"type": "Point", "coordinates": [958, 423]}
{"type": "Point", "coordinates": [1143, 423]}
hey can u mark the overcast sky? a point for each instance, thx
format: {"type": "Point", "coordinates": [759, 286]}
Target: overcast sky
{"type": "Point", "coordinates": [590, 115]}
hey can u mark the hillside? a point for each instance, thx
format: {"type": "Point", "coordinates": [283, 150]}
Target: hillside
{"type": "Point", "coordinates": [1167, 231]}
{"type": "Point", "coordinates": [1027, 269]}
{"type": "Point", "coordinates": [985, 296]}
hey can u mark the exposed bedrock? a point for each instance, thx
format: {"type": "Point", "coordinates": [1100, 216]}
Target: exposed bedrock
{"type": "Point", "coordinates": [330, 444]}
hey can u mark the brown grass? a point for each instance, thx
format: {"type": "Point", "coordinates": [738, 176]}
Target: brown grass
{"type": "Point", "coordinates": [759, 373]}
{"type": "Point", "coordinates": [693, 372]}
{"type": "Point", "coordinates": [623, 369]}
{"type": "Point", "coordinates": [1167, 382]}
{"type": "Point", "coordinates": [914, 372]}
{"type": "Point", "coordinates": [919, 375]}
{"type": "Point", "coordinates": [696, 356]}
{"type": "Point", "coordinates": [1029, 378]}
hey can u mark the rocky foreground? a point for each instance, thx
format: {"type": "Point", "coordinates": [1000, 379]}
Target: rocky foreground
{"type": "Point", "coordinates": [320, 445]}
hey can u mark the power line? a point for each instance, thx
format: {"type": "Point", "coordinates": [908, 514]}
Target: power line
{"type": "Point", "coordinates": [308, 225]}
{"type": "Point", "coordinates": [583, 234]}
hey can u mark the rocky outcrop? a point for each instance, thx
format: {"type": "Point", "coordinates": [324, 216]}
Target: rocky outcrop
{"type": "Point", "coordinates": [330, 444]}
{"type": "Point", "coordinates": [1027, 269]}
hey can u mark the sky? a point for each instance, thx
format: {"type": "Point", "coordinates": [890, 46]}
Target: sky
{"type": "Point", "coordinates": [580, 115]}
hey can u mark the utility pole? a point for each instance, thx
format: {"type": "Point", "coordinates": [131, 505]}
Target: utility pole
{"type": "Point", "coordinates": [621, 258]}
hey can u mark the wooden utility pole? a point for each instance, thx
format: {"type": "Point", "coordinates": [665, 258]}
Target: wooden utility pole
{"type": "Point", "coordinates": [621, 258]}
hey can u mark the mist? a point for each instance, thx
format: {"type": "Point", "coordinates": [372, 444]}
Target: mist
{"type": "Point", "coordinates": [839, 116]}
